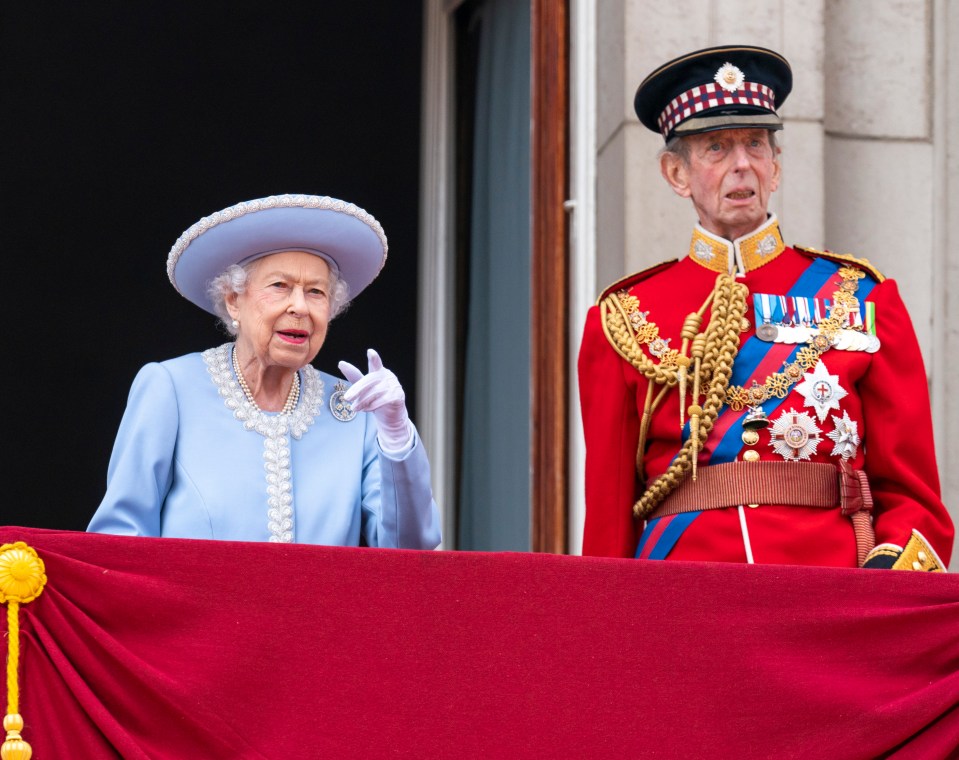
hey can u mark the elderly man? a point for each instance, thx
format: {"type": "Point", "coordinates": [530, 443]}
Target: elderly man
{"type": "Point", "coordinates": [752, 401]}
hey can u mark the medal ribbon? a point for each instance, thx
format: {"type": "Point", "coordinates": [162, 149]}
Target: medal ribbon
{"type": "Point", "coordinates": [805, 310]}
{"type": "Point", "coordinates": [869, 322]}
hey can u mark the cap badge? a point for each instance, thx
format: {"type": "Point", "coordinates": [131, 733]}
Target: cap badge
{"type": "Point", "coordinates": [730, 78]}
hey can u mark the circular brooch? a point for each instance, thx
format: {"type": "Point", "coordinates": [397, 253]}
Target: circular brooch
{"type": "Point", "coordinates": [339, 407]}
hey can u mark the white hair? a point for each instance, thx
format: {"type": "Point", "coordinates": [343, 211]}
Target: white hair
{"type": "Point", "coordinates": [234, 279]}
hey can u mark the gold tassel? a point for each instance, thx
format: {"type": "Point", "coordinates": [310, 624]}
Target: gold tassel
{"type": "Point", "coordinates": [682, 373]}
{"type": "Point", "coordinates": [695, 413]}
{"type": "Point", "coordinates": [699, 350]}
{"type": "Point", "coordinates": [22, 578]}
{"type": "Point", "coordinates": [690, 328]}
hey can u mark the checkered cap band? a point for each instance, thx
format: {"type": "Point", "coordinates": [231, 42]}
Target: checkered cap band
{"type": "Point", "coordinates": [711, 95]}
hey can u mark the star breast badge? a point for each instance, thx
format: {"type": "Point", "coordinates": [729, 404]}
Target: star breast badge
{"type": "Point", "coordinates": [845, 436]}
{"type": "Point", "coordinates": [821, 390]}
{"type": "Point", "coordinates": [794, 435]}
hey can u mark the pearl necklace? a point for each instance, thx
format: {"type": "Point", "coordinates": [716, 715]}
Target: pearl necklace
{"type": "Point", "coordinates": [291, 399]}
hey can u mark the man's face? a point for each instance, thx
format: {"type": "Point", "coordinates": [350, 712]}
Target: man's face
{"type": "Point", "coordinates": [729, 176]}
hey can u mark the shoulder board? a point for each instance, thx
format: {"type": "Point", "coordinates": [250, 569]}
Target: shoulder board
{"type": "Point", "coordinates": [631, 279]}
{"type": "Point", "coordinates": [843, 258]}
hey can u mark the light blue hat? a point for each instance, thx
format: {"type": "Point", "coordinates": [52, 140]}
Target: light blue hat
{"type": "Point", "coordinates": [349, 238]}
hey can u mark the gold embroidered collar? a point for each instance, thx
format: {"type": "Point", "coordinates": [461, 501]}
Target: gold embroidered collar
{"type": "Point", "coordinates": [738, 256]}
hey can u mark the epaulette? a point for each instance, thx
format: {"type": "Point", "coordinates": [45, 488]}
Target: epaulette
{"type": "Point", "coordinates": [843, 258]}
{"type": "Point", "coordinates": [625, 283]}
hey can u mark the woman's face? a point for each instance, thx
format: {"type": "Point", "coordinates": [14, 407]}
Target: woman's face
{"type": "Point", "coordinates": [285, 310]}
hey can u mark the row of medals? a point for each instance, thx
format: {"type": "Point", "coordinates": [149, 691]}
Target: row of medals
{"type": "Point", "coordinates": [845, 340]}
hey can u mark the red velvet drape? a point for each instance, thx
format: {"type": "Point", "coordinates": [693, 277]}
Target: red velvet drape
{"type": "Point", "coordinates": [169, 648]}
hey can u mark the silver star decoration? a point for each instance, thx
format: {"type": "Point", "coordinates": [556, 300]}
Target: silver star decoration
{"type": "Point", "coordinates": [845, 436]}
{"type": "Point", "coordinates": [794, 435]}
{"type": "Point", "coordinates": [821, 390]}
{"type": "Point", "coordinates": [767, 245]}
{"type": "Point", "coordinates": [703, 251]}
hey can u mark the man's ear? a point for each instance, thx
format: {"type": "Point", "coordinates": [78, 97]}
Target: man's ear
{"type": "Point", "coordinates": [777, 171]}
{"type": "Point", "coordinates": [675, 172]}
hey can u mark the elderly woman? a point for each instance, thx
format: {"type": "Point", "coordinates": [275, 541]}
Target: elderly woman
{"type": "Point", "coordinates": [247, 441]}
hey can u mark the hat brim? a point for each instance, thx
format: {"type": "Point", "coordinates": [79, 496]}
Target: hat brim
{"type": "Point", "coordinates": [697, 125]}
{"type": "Point", "coordinates": [346, 236]}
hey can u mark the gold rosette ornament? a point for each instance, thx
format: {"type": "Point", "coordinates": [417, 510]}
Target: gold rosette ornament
{"type": "Point", "coordinates": [22, 579]}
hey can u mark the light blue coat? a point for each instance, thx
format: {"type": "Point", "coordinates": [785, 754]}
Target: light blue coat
{"type": "Point", "coordinates": [194, 459]}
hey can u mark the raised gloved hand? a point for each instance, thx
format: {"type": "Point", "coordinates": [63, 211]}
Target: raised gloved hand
{"type": "Point", "coordinates": [380, 392]}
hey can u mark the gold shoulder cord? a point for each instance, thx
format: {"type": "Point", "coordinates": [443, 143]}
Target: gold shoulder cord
{"type": "Point", "coordinates": [711, 355]}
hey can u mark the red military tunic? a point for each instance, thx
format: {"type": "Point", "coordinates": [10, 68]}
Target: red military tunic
{"type": "Point", "coordinates": [865, 404]}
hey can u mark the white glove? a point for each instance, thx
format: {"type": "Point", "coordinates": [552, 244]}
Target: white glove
{"type": "Point", "coordinates": [381, 393]}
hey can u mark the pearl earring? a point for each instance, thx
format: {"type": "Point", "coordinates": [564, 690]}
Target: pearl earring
{"type": "Point", "coordinates": [235, 323]}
